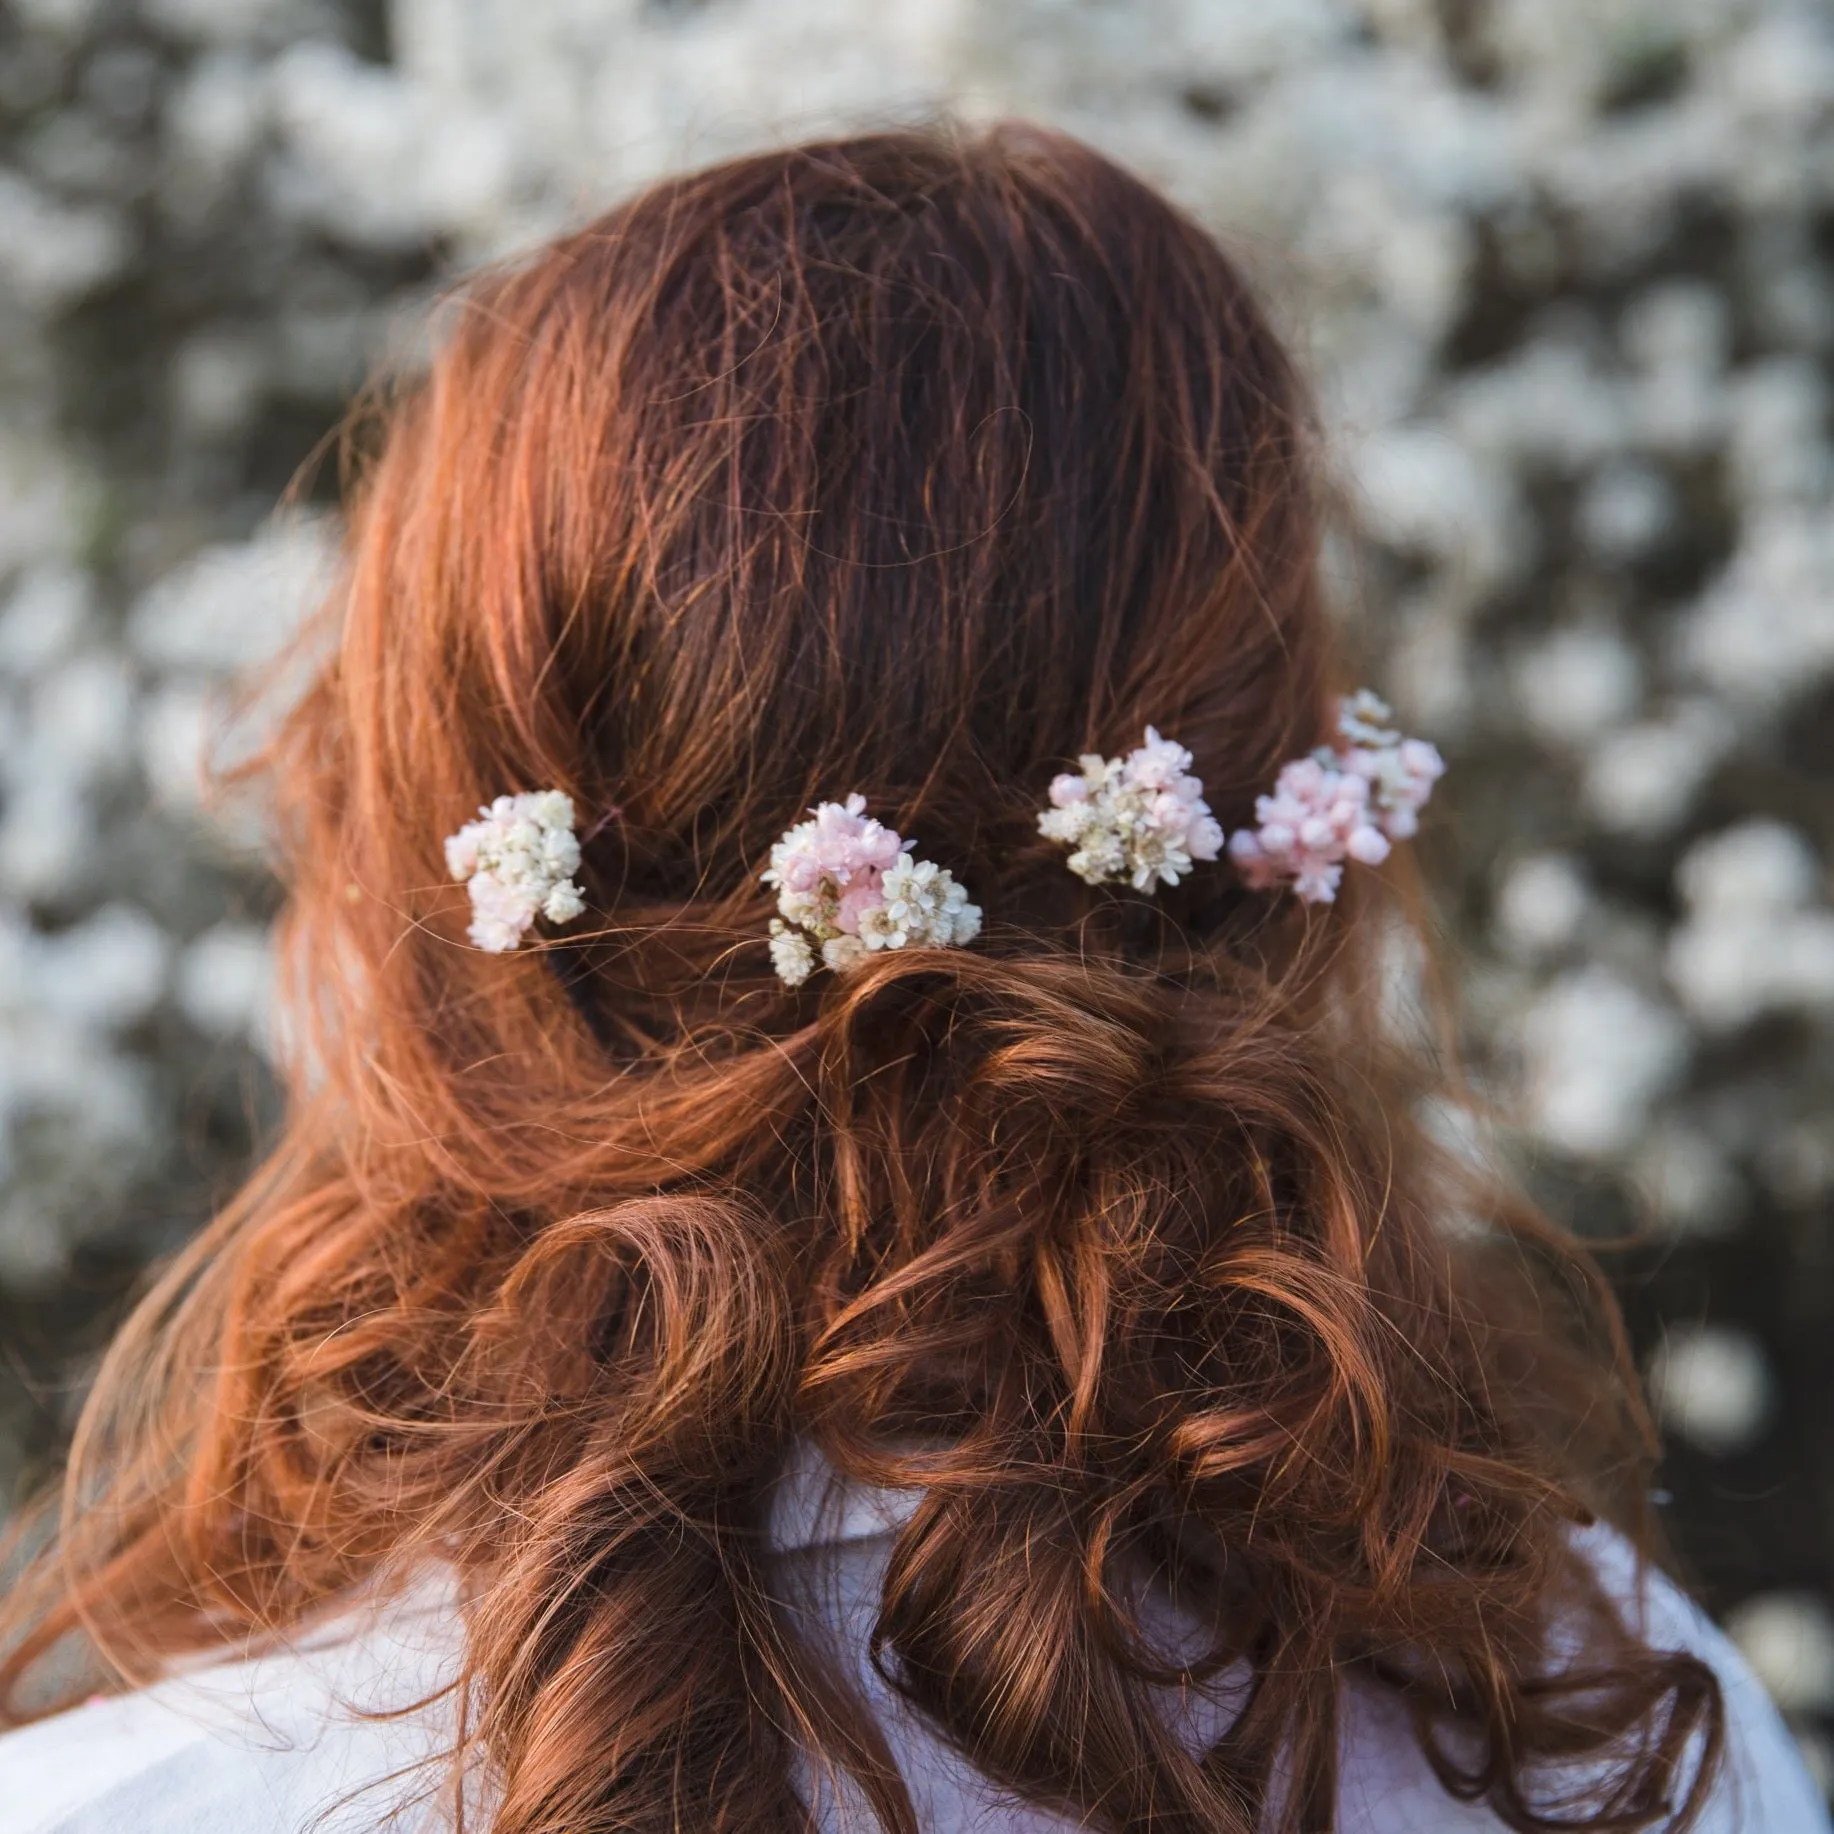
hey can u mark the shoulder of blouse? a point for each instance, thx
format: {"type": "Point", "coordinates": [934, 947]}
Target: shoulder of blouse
{"type": "Point", "coordinates": [342, 1726]}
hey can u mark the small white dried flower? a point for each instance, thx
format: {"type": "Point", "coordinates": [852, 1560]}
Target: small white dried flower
{"type": "Point", "coordinates": [517, 860]}
{"type": "Point", "coordinates": [922, 905]}
{"type": "Point", "coordinates": [843, 952]}
{"type": "Point", "coordinates": [1365, 718]}
{"type": "Point", "coordinates": [791, 955]}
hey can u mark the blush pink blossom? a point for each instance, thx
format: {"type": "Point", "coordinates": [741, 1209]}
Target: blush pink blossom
{"type": "Point", "coordinates": [859, 898]}
{"type": "Point", "coordinates": [1348, 802]}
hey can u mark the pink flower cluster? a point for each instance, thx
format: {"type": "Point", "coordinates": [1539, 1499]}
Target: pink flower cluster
{"type": "Point", "coordinates": [847, 884]}
{"type": "Point", "coordinates": [1348, 802]}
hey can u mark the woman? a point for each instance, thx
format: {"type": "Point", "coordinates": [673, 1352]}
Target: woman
{"type": "Point", "coordinates": [755, 1321]}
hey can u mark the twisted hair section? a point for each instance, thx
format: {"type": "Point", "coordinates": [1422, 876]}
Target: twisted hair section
{"type": "Point", "coordinates": [916, 464]}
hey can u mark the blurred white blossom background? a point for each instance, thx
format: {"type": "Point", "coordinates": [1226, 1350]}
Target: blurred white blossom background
{"type": "Point", "coordinates": [1564, 273]}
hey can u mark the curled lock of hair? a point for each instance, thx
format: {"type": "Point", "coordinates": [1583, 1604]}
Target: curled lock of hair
{"type": "Point", "coordinates": [917, 465]}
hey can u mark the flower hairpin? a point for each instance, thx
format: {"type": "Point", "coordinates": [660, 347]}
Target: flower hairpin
{"type": "Point", "coordinates": [1349, 801]}
{"type": "Point", "coordinates": [847, 885]}
{"type": "Point", "coordinates": [1139, 820]}
{"type": "Point", "coordinates": [517, 860]}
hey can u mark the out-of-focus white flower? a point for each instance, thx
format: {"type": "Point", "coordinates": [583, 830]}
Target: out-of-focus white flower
{"type": "Point", "coordinates": [52, 254]}
{"type": "Point", "coordinates": [225, 983]}
{"type": "Point", "coordinates": [1625, 510]}
{"type": "Point", "coordinates": [216, 384]}
{"type": "Point", "coordinates": [1752, 942]}
{"type": "Point", "coordinates": [226, 21]}
{"type": "Point", "coordinates": [1597, 1052]}
{"type": "Point", "coordinates": [216, 114]}
{"type": "Point", "coordinates": [1759, 867]}
{"type": "Point", "coordinates": [1576, 683]}
{"type": "Point", "coordinates": [1730, 970]}
{"type": "Point", "coordinates": [1431, 662]}
{"type": "Point", "coordinates": [234, 605]}
{"type": "Point", "coordinates": [1540, 904]}
{"type": "Point", "coordinates": [1788, 1638]}
{"type": "Point", "coordinates": [1677, 326]}
{"type": "Point", "coordinates": [82, 720]}
{"type": "Point", "coordinates": [1642, 779]}
{"type": "Point", "coordinates": [84, 1117]}
{"type": "Point", "coordinates": [47, 837]}
{"type": "Point", "coordinates": [183, 739]}
{"type": "Point", "coordinates": [173, 732]}
{"type": "Point", "coordinates": [1685, 1181]}
{"type": "Point", "coordinates": [1421, 489]}
{"type": "Point", "coordinates": [1712, 1386]}
{"type": "Point", "coordinates": [1778, 448]}
{"type": "Point", "coordinates": [1796, 1160]}
{"type": "Point", "coordinates": [1762, 634]}
{"type": "Point", "coordinates": [343, 120]}
{"type": "Point", "coordinates": [43, 619]}
{"type": "Point", "coordinates": [1781, 71]}
{"type": "Point", "coordinates": [105, 973]}
{"type": "Point", "coordinates": [33, 1249]}
{"type": "Point", "coordinates": [1550, 404]}
{"type": "Point", "coordinates": [46, 502]}
{"type": "Point", "coordinates": [64, 18]}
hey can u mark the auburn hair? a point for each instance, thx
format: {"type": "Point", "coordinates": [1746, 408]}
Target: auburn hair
{"type": "Point", "coordinates": [914, 464]}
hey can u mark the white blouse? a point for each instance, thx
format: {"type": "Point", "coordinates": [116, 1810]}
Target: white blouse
{"type": "Point", "coordinates": [290, 1740]}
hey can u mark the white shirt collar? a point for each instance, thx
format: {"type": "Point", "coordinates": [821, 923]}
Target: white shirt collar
{"type": "Point", "coordinates": [812, 1505]}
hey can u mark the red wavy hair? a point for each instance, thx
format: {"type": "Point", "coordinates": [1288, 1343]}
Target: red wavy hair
{"type": "Point", "coordinates": [916, 465]}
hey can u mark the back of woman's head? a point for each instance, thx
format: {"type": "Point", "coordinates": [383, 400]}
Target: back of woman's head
{"type": "Point", "coordinates": [915, 467]}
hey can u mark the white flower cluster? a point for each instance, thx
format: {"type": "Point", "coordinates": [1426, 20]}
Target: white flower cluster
{"type": "Point", "coordinates": [517, 860]}
{"type": "Point", "coordinates": [1139, 820]}
{"type": "Point", "coordinates": [847, 884]}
